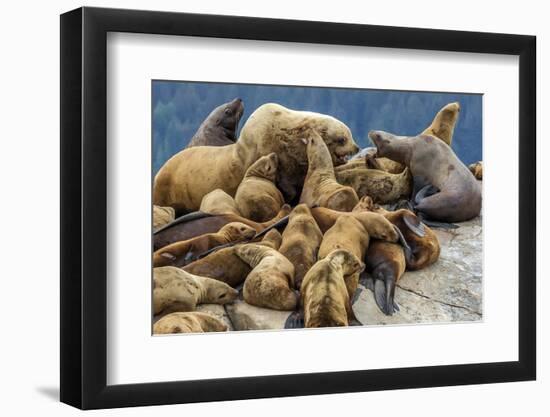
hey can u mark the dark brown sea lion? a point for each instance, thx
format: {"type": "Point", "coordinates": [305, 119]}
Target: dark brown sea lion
{"type": "Point", "coordinates": [196, 224]}
{"type": "Point", "coordinates": [324, 296]}
{"type": "Point", "coordinates": [186, 251]}
{"type": "Point", "coordinates": [220, 127]}
{"type": "Point", "coordinates": [301, 240]}
{"type": "Point", "coordinates": [188, 176]}
{"type": "Point", "coordinates": [189, 322]}
{"type": "Point", "coordinates": [447, 191]}
{"type": "Point", "coordinates": [477, 170]}
{"type": "Point", "coordinates": [224, 264]}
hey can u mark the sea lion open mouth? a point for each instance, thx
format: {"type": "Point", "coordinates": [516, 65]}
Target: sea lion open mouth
{"type": "Point", "coordinates": [342, 159]}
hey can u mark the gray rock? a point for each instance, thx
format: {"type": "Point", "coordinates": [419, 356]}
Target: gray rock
{"type": "Point", "coordinates": [247, 317]}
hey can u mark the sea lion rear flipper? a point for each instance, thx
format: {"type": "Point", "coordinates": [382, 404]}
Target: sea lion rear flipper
{"type": "Point", "coordinates": [402, 240]}
{"type": "Point", "coordinates": [380, 294]}
{"type": "Point", "coordinates": [183, 219]}
{"type": "Point", "coordinates": [414, 224]}
{"type": "Point", "coordinates": [295, 320]}
{"type": "Point", "coordinates": [384, 295]}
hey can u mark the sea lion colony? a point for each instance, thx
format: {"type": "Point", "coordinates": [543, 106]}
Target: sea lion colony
{"type": "Point", "coordinates": [290, 215]}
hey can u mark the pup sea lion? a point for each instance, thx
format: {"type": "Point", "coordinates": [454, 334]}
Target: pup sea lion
{"type": "Point", "coordinates": [224, 264]}
{"type": "Point", "coordinates": [324, 295]}
{"type": "Point", "coordinates": [448, 192]}
{"type": "Point", "coordinates": [386, 263]}
{"type": "Point", "coordinates": [477, 170]}
{"type": "Point", "coordinates": [384, 187]}
{"type": "Point", "coordinates": [186, 251]}
{"type": "Point", "coordinates": [271, 281]}
{"type": "Point", "coordinates": [219, 202]}
{"type": "Point", "coordinates": [177, 290]}
{"type": "Point", "coordinates": [301, 240]}
{"type": "Point", "coordinates": [320, 186]}
{"type": "Point", "coordinates": [189, 322]}
{"type": "Point", "coordinates": [188, 176]}
{"type": "Point", "coordinates": [220, 127]}
{"type": "Point", "coordinates": [257, 197]}
{"type": "Point", "coordinates": [443, 124]}
{"type": "Point", "coordinates": [162, 216]}
{"type": "Point", "coordinates": [196, 224]}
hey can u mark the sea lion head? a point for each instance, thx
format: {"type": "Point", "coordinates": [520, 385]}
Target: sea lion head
{"type": "Point", "coordinates": [300, 209]}
{"type": "Point", "coordinates": [218, 292]}
{"type": "Point", "coordinates": [227, 116]}
{"type": "Point", "coordinates": [366, 203]}
{"type": "Point", "coordinates": [265, 167]}
{"type": "Point", "coordinates": [338, 139]}
{"type": "Point", "coordinates": [388, 145]}
{"type": "Point", "coordinates": [349, 262]}
{"type": "Point", "coordinates": [237, 231]}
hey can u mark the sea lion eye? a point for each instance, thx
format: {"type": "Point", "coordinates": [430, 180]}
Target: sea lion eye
{"type": "Point", "coordinates": [227, 111]}
{"type": "Point", "coordinates": [341, 140]}
{"type": "Point", "coordinates": [221, 296]}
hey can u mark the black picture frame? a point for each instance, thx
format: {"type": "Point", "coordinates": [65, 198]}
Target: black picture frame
{"type": "Point", "coordinates": [84, 207]}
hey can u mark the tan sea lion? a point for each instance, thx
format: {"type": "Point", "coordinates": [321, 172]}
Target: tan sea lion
{"type": "Point", "coordinates": [324, 296]}
{"type": "Point", "coordinates": [257, 197]}
{"type": "Point", "coordinates": [186, 251]}
{"type": "Point", "coordinates": [270, 283]}
{"type": "Point", "coordinates": [219, 202]}
{"type": "Point", "coordinates": [220, 127]}
{"type": "Point", "coordinates": [477, 170]}
{"type": "Point", "coordinates": [177, 290]}
{"type": "Point", "coordinates": [189, 322]}
{"type": "Point", "coordinates": [188, 176]}
{"type": "Point", "coordinates": [162, 216]}
{"type": "Point", "coordinates": [447, 191]}
{"type": "Point", "coordinates": [224, 264]}
{"type": "Point", "coordinates": [301, 240]}
{"type": "Point", "coordinates": [320, 186]}
{"type": "Point", "coordinates": [444, 122]}
{"type": "Point", "coordinates": [198, 223]}
{"type": "Point", "coordinates": [377, 226]}
{"type": "Point", "coordinates": [382, 186]}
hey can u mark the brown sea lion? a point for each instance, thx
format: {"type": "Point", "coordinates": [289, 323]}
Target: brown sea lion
{"type": "Point", "coordinates": [224, 264]}
{"type": "Point", "coordinates": [301, 240]}
{"type": "Point", "coordinates": [196, 224]}
{"type": "Point", "coordinates": [270, 283]}
{"type": "Point", "coordinates": [219, 202]}
{"type": "Point", "coordinates": [382, 186]}
{"type": "Point", "coordinates": [324, 296]}
{"type": "Point", "coordinates": [477, 170]}
{"type": "Point", "coordinates": [377, 226]}
{"type": "Point", "coordinates": [447, 191]}
{"type": "Point", "coordinates": [257, 197]}
{"type": "Point", "coordinates": [189, 322]}
{"type": "Point", "coordinates": [443, 124]}
{"type": "Point", "coordinates": [188, 176]}
{"type": "Point", "coordinates": [320, 186]}
{"type": "Point", "coordinates": [186, 251]}
{"type": "Point", "coordinates": [177, 290]}
{"type": "Point", "coordinates": [162, 216]}
{"type": "Point", "coordinates": [386, 264]}
{"type": "Point", "coordinates": [220, 127]}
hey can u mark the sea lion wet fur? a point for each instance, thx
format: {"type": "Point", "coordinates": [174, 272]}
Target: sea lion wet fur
{"type": "Point", "coordinates": [270, 283]}
{"type": "Point", "coordinates": [257, 197]}
{"type": "Point", "coordinates": [219, 202]}
{"type": "Point", "coordinates": [189, 322]}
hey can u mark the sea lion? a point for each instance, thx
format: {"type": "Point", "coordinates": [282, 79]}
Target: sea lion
{"type": "Point", "coordinates": [162, 216]}
{"type": "Point", "coordinates": [186, 251]}
{"type": "Point", "coordinates": [477, 170]}
{"type": "Point", "coordinates": [377, 226]}
{"type": "Point", "coordinates": [220, 127]}
{"type": "Point", "coordinates": [324, 295]}
{"type": "Point", "coordinates": [224, 265]}
{"type": "Point", "coordinates": [444, 188]}
{"type": "Point", "coordinates": [189, 322]}
{"type": "Point", "coordinates": [444, 122]}
{"type": "Point", "coordinates": [320, 186]}
{"type": "Point", "coordinates": [198, 223]}
{"type": "Point", "coordinates": [257, 197]}
{"type": "Point", "coordinates": [384, 187]}
{"type": "Point", "coordinates": [386, 264]}
{"type": "Point", "coordinates": [219, 202]}
{"type": "Point", "coordinates": [271, 280]}
{"type": "Point", "coordinates": [353, 233]}
{"type": "Point", "coordinates": [301, 240]}
{"type": "Point", "coordinates": [177, 290]}
{"type": "Point", "coordinates": [188, 176]}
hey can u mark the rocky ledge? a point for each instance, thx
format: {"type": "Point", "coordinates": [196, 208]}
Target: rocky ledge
{"type": "Point", "coordinates": [448, 291]}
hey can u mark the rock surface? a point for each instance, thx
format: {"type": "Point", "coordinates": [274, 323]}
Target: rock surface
{"type": "Point", "coordinates": [448, 291]}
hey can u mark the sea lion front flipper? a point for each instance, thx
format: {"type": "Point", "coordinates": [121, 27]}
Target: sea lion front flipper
{"type": "Point", "coordinates": [184, 219]}
{"type": "Point", "coordinates": [414, 224]}
{"type": "Point", "coordinates": [380, 294]}
{"type": "Point", "coordinates": [295, 320]}
{"type": "Point", "coordinates": [426, 191]}
{"type": "Point", "coordinates": [384, 291]}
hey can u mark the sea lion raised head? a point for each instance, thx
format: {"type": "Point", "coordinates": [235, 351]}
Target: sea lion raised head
{"type": "Point", "coordinates": [265, 167]}
{"type": "Point", "coordinates": [391, 146]}
{"type": "Point", "coordinates": [444, 122]}
{"type": "Point", "coordinates": [338, 138]}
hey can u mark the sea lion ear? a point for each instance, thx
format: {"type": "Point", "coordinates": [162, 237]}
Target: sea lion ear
{"type": "Point", "coordinates": [414, 224]}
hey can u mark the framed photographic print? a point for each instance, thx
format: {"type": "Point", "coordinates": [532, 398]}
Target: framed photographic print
{"type": "Point", "coordinates": [241, 188]}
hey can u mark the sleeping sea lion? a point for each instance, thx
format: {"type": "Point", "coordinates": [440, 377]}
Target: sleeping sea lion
{"type": "Point", "coordinates": [219, 202]}
{"type": "Point", "coordinates": [320, 186]}
{"type": "Point", "coordinates": [444, 188]}
{"type": "Point", "coordinates": [186, 251]}
{"type": "Point", "coordinates": [177, 290]}
{"type": "Point", "coordinates": [257, 197]}
{"type": "Point", "coordinates": [301, 240]}
{"type": "Point", "coordinates": [220, 127]}
{"type": "Point", "coordinates": [189, 322]}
